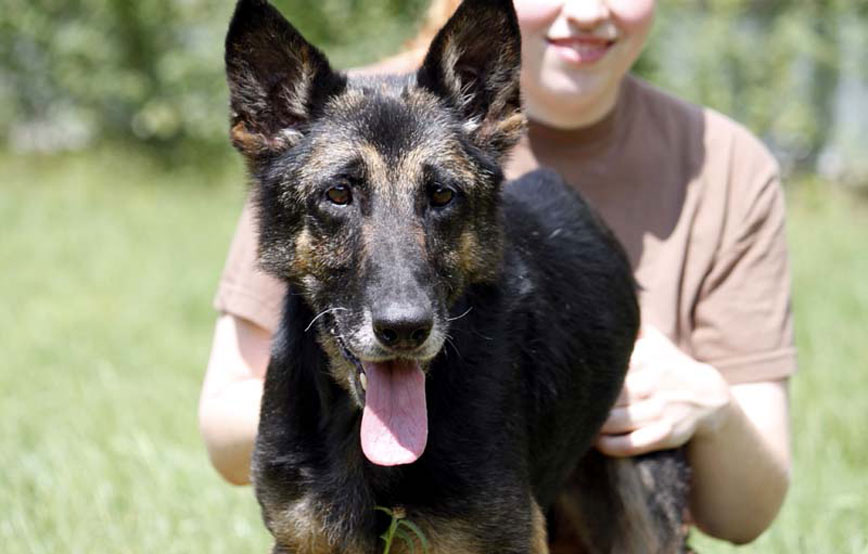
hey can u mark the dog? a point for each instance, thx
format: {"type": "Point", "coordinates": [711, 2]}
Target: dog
{"type": "Point", "coordinates": [451, 344]}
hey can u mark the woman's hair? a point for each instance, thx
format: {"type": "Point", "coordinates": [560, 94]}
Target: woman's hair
{"type": "Point", "coordinates": [414, 49]}
{"type": "Point", "coordinates": [438, 14]}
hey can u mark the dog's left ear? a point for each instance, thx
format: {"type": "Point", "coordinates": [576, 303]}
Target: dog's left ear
{"type": "Point", "coordinates": [277, 80]}
{"type": "Point", "coordinates": [474, 63]}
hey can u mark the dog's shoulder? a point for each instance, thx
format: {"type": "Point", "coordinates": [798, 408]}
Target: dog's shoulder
{"type": "Point", "coordinates": [543, 202]}
{"type": "Point", "coordinates": [548, 220]}
{"type": "Point", "coordinates": [541, 179]}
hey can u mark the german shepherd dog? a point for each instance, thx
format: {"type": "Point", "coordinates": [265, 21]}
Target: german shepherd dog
{"type": "Point", "coordinates": [450, 344]}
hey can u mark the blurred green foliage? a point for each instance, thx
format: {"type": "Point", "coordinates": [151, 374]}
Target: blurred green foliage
{"type": "Point", "coordinates": [793, 71]}
{"type": "Point", "coordinates": [72, 72]}
{"type": "Point", "coordinates": [80, 71]}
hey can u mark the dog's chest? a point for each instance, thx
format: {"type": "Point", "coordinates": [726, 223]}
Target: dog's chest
{"type": "Point", "coordinates": [310, 526]}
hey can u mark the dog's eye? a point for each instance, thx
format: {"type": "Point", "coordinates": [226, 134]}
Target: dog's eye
{"type": "Point", "coordinates": [339, 194]}
{"type": "Point", "coordinates": [441, 196]}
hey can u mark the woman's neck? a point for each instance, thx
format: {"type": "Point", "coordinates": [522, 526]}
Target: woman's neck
{"type": "Point", "coordinates": [572, 112]}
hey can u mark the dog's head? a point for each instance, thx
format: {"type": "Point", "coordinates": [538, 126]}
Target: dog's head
{"type": "Point", "coordinates": [377, 198]}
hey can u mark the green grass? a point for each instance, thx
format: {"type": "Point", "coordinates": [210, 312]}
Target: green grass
{"type": "Point", "coordinates": [108, 266]}
{"type": "Point", "coordinates": [827, 507]}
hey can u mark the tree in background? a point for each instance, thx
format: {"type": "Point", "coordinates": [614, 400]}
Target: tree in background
{"type": "Point", "coordinates": [73, 72]}
{"type": "Point", "coordinates": [776, 66]}
{"type": "Point", "coordinates": [76, 72]}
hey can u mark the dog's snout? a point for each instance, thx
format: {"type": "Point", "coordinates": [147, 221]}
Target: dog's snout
{"type": "Point", "coordinates": [403, 327]}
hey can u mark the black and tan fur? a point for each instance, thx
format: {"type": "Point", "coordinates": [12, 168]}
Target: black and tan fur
{"type": "Point", "coordinates": [382, 199]}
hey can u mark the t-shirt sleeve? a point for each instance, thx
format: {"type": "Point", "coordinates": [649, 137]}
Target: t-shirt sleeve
{"type": "Point", "coordinates": [743, 323]}
{"type": "Point", "coordinates": [244, 289]}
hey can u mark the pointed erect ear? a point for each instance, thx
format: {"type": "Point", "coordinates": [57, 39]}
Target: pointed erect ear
{"type": "Point", "coordinates": [277, 80]}
{"type": "Point", "coordinates": [474, 64]}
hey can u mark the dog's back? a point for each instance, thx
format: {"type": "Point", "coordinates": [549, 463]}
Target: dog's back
{"type": "Point", "coordinates": [575, 297]}
{"type": "Point", "coordinates": [583, 308]}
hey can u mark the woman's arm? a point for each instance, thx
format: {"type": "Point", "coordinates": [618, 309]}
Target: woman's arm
{"type": "Point", "coordinates": [737, 436]}
{"type": "Point", "coordinates": [232, 393]}
{"type": "Point", "coordinates": [741, 469]}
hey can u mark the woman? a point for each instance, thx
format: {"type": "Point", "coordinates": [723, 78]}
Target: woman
{"type": "Point", "coordinates": [697, 203]}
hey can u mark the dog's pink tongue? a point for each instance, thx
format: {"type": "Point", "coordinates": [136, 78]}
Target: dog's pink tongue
{"type": "Point", "coordinates": [395, 419]}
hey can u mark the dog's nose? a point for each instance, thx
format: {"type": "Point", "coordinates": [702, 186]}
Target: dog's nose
{"type": "Point", "coordinates": [403, 327]}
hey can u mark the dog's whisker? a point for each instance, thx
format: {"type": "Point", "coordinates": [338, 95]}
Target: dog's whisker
{"type": "Point", "coordinates": [460, 316]}
{"type": "Point", "coordinates": [451, 342]}
{"type": "Point", "coordinates": [319, 315]}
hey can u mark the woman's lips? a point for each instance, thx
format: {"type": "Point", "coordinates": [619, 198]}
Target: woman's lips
{"type": "Point", "coordinates": [581, 51]}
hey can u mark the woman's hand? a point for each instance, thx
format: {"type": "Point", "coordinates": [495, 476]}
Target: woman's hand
{"type": "Point", "coordinates": [739, 457]}
{"type": "Point", "coordinates": [667, 399]}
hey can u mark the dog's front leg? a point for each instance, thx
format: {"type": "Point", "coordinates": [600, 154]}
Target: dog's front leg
{"type": "Point", "coordinates": [310, 549]}
{"type": "Point", "coordinates": [539, 540]}
{"type": "Point", "coordinates": [297, 527]}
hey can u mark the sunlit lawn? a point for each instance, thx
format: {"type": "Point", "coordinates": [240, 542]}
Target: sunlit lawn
{"type": "Point", "coordinates": [108, 266]}
{"type": "Point", "coordinates": [827, 508]}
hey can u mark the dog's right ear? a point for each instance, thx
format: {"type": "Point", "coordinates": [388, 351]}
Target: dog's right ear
{"type": "Point", "coordinates": [474, 64]}
{"type": "Point", "coordinates": [277, 80]}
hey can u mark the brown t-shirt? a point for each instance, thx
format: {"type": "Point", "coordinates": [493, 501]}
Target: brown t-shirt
{"type": "Point", "coordinates": [696, 201]}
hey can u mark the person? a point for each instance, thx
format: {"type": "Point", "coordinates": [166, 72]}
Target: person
{"type": "Point", "coordinates": [697, 203]}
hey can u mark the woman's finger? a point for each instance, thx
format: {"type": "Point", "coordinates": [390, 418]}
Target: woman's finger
{"type": "Point", "coordinates": [638, 385]}
{"type": "Point", "coordinates": [625, 419]}
{"type": "Point", "coordinates": [647, 439]}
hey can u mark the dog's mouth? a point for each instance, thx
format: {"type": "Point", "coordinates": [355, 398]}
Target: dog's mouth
{"type": "Point", "coordinates": [394, 428]}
